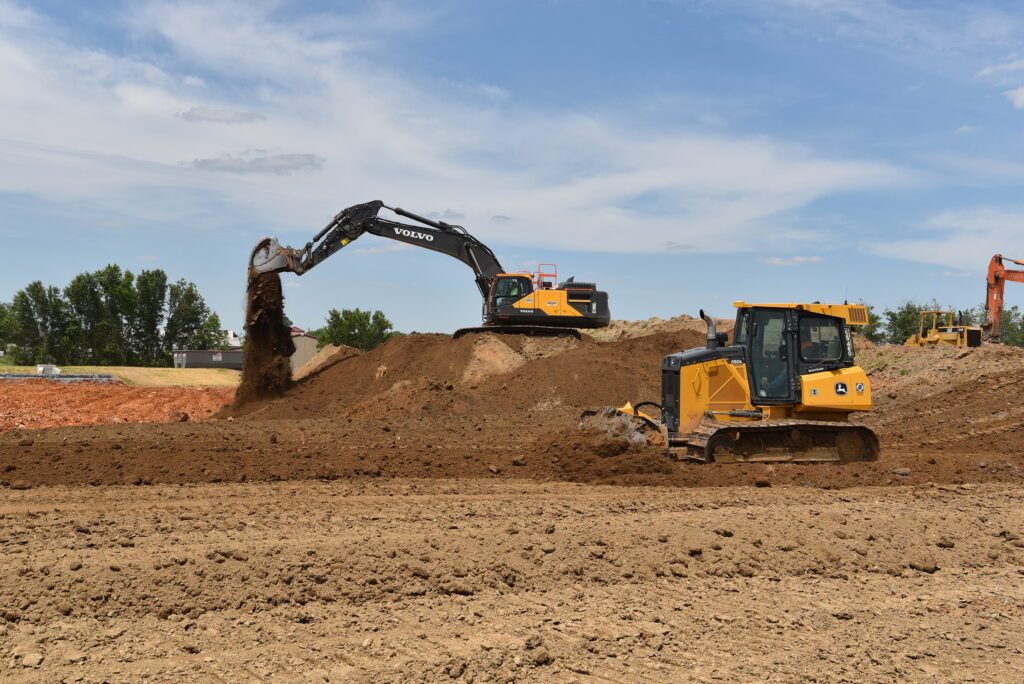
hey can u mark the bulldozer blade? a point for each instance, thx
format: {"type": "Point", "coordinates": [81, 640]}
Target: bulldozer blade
{"type": "Point", "coordinates": [637, 428]}
{"type": "Point", "coordinates": [269, 257]}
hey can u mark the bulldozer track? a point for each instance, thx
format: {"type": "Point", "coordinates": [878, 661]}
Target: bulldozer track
{"type": "Point", "coordinates": [778, 440]}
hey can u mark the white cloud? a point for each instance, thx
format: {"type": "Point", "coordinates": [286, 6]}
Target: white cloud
{"type": "Point", "coordinates": [1006, 67]}
{"type": "Point", "coordinates": [104, 128]}
{"type": "Point", "coordinates": [1016, 96]}
{"type": "Point", "coordinates": [793, 260]}
{"type": "Point", "coordinates": [960, 239]}
{"type": "Point", "coordinates": [225, 116]}
{"type": "Point", "coordinates": [964, 130]}
{"type": "Point", "coordinates": [251, 161]}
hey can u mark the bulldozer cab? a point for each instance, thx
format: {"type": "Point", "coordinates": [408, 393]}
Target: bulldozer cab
{"type": "Point", "coordinates": [781, 344]}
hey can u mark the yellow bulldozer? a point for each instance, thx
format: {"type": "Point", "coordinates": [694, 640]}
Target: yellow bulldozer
{"type": "Point", "coordinates": [941, 329]}
{"type": "Point", "coordinates": [782, 391]}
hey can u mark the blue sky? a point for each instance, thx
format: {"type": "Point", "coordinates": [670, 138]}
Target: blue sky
{"type": "Point", "coordinates": [683, 154]}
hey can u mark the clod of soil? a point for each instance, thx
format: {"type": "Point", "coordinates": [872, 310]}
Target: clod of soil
{"type": "Point", "coordinates": [266, 369]}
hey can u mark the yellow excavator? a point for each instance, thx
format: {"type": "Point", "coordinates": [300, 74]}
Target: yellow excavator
{"type": "Point", "coordinates": [782, 391]}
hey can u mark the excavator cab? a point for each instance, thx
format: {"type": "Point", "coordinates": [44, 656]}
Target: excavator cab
{"type": "Point", "coordinates": [509, 288]}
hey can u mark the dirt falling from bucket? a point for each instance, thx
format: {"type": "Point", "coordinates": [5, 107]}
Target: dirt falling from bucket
{"type": "Point", "coordinates": [266, 368]}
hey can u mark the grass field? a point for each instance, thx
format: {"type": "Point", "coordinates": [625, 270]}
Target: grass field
{"type": "Point", "coordinates": [151, 377]}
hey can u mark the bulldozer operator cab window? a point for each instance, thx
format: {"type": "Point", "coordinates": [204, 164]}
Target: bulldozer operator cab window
{"type": "Point", "coordinates": [768, 354]}
{"type": "Point", "coordinates": [742, 321]}
{"type": "Point", "coordinates": [820, 340]}
{"type": "Point", "coordinates": [510, 289]}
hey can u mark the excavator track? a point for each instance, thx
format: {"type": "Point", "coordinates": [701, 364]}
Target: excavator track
{"type": "Point", "coordinates": [776, 441]}
{"type": "Point", "coordinates": [531, 330]}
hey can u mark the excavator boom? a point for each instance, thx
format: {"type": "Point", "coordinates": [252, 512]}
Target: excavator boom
{"type": "Point", "coordinates": [995, 286]}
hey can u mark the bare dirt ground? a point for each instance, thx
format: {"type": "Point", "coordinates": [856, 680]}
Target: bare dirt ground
{"type": "Point", "coordinates": [430, 510]}
{"type": "Point", "coordinates": [150, 377]}
{"type": "Point", "coordinates": [33, 404]}
{"type": "Point", "coordinates": [467, 580]}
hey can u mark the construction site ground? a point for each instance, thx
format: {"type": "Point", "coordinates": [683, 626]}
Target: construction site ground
{"type": "Point", "coordinates": [150, 377]}
{"type": "Point", "coordinates": [431, 511]}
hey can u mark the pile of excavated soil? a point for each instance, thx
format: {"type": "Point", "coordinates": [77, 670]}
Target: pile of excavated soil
{"type": "Point", "coordinates": [512, 382]}
{"type": "Point", "coordinates": [38, 403]}
{"type": "Point", "coordinates": [495, 406]}
{"type": "Point", "coordinates": [620, 330]}
{"type": "Point", "coordinates": [330, 353]}
{"type": "Point", "coordinates": [947, 400]}
{"type": "Point", "coordinates": [266, 368]}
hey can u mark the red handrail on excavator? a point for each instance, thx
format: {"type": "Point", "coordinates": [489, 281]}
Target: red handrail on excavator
{"type": "Point", "coordinates": [997, 277]}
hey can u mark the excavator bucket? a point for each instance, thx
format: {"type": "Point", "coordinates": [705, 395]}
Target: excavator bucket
{"type": "Point", "coordinates": [268, 256]}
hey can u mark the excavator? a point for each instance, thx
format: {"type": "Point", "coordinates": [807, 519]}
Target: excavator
{"type": "Point", "coordinates": [518, 303]}
{"type": "Point", "coordinates": [995, 285]}
{"type": "Point", "coordinates": [782, 391]}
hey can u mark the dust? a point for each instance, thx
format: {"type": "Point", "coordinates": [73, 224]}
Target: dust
{"type": "Point", "coordinates": [266, 368]}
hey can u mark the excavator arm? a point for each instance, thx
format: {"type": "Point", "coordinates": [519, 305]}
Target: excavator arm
{"type": "Point", "coordinates": [349, 224]}
{"type": "Point", "coordinates": [996, 284]}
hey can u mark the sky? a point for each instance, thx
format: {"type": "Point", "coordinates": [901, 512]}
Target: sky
{"type": "Point", "coordinates": [682, 154]}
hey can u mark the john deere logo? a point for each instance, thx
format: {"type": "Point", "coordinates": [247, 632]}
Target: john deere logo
{"type": "Point", "coordinates": [841, 389]}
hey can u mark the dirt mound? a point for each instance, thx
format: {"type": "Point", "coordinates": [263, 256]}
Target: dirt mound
{"type": "Point", "coordinates": [331, 353]}
{"type": "Point", "coordinates": [486, 406]}
{"type": "Point", "coordinates": [947, 399]}
{"type": "Point", "coordinates": [266, 369]}
{"type": "Point", "coordinates": [620, 330]}
{"type": "Point", "coordinates": [38, 404]}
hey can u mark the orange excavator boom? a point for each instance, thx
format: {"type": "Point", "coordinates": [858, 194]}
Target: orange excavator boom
{"type": "Point", "coordinates": [996, 283]}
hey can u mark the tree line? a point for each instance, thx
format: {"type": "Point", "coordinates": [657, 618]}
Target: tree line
{"type": "Point", "coordinates": [109, 317]}
{"type": "Point", "coordinates": [354, 328]}
{"type": "Point", "coordinates": [894, 326]}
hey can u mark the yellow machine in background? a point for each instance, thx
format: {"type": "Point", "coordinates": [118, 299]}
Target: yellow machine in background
{"type": "Point", "coordinates": [783, 391]}
{"type": "Point", "coordinates": [939, 329]}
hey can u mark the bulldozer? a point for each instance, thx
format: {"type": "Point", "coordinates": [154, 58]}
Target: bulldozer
{"type": "Point", "coordinates": [941, 329]}
{"type": "Point", "coordinates": [783, 391]}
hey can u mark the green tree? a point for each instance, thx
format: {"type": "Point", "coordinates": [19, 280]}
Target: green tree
{"type": "Point", "coordinates": [109, 317]}
{"type": "Point", "coordinates": [355, 328]}
{"type": "Point", "coordinates": [117, 292]}
{"type": "Point", "coordinates": [86, 309]}
{"type": "Point", "coordinates": [150, 308]}
{"type": "Point", "coordinates": [6, 325]}
{"type": "Point", "coordinates": [873, 330]}
{"type": "Point", "coordinates": [905, 321]}
{"type": "Point", "coordinates": [190, 324]}
{"type": "Point", "coordinates": [41, 322]}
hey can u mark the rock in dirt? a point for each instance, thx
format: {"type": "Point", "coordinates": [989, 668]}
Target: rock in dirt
{"type": "Point", "coordinates": [927, 566]}
{"type": "Point", "coordinates": [266, 368]}
{"type": "Point", "coordinates": [32, 660]}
